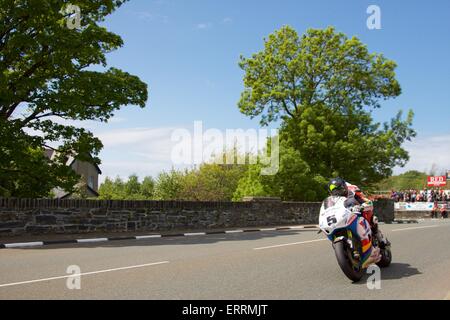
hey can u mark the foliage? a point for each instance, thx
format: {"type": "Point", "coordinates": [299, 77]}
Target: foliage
{"type": "Point", "coordinates": [46, 80]}
{"type": "Point", "coordinates": [323, 87]}
{"type": "Point", "coordinates": [131, 189]}
{"type": "Point", "coordinates": [169, 185]}
{"type": "Point", "coordinates": [294, 180]}
{"type": "Point", "coordinates": [209, 182]}
{"type": "Point", "coordinates": [409, 180]}
{"type": "Point", "coordinates": [212, 182]}
{"type": "Point", "coordinates": [147, 188]}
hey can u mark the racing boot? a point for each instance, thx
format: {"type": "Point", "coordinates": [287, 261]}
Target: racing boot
{"type": "Point", "coordinates": [375, 257]}
{"type": "Point", "coordinates": [382, 241]}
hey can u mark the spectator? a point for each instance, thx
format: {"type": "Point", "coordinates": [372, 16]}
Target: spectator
{"type": "Point", "coordinates": [435, 210]}
{"type": "Point", "coordinates": [413, 196]}
{"type": "Point", "coordinates": [444, 213]}
{"type": "Point", "coordinates": [426, 195]}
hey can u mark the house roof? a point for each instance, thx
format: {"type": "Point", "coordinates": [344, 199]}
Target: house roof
{"type": "Point", "coordinates": [48, 153]}
{"type": "Point", "coordinates": [72, 160]}
{"type": "Point", "coordinates": [51, 154]}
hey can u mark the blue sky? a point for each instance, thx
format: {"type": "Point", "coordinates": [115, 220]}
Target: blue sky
{"type": "Point", "coordinates": [188, 52]}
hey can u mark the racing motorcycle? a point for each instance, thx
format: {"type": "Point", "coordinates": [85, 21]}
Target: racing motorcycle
{"type": "Point", "coordinates": [352, 238]}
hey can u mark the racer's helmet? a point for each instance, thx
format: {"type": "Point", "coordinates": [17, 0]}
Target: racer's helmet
{"type": "Point", "coordinates": [338, 187]}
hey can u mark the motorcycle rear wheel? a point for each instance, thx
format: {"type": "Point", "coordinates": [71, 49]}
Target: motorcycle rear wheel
{"type": "Point", "coordinates": [343, 257]}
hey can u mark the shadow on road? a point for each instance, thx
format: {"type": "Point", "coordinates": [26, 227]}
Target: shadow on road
{"type": "Point", "coordinates": [395, 271]}
{"type": "Point", "coordinates": [398, 271]}
{"type": "Point", "coordinates": [190, 240]}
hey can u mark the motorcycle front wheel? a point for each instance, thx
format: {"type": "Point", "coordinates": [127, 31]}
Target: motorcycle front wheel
{"type": "Point", "coordinates": [386, 258]}
{"type": "Point", "coordinates": [344, 258]}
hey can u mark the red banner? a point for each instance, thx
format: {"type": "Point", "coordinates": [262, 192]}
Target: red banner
{"type": "Point", "coordinates": [437, 181]}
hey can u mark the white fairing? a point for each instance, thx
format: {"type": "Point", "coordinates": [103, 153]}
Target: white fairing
{"type": "Point", "coordinates": [335, 217]}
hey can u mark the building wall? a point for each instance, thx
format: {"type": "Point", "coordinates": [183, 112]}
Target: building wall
{"type": "Point", "coordinates": [86, 170]}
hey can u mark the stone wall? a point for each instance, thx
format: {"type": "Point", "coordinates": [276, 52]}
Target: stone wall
{"type": "Point", "coordinates": [404, 215]}
{"type": "Point", "coordinates": [75, 216]}
{"type": "Point", "coordinates": [48, 216]}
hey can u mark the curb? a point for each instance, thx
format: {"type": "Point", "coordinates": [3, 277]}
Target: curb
{"type": "Point", "coordinates": [152, 236]}
{"type": "Point", "coordinates": [404, 221]}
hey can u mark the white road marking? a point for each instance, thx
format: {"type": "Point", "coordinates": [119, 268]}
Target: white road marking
{"type": "Point", "coordinates": [268, 229]}
{"type": "Point", "coordinates": [92, 240]}
{"type": "Point", "coordinates": [22, 245]}
{"type": "Point", "coordinates": [234, 231]}
{"type": "Point", "coordinates": [414, 228]}
{"type": "Point", "coordinates": [289, 244]}
{"type": "Point", "coordinates": [82, 274]}
{"type": "Point", "coordinates": [195, 234]}
{"type": "Point", "coordinates": [148, 237]}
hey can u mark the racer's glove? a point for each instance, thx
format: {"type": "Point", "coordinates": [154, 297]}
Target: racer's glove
{"type": "Point", "coordinates": [357, 209]}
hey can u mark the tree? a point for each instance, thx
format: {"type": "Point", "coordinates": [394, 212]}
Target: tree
{"type": "Point", "coordinates": [169, 185]}
{"type": "Point", "coordinates": [212, 182]}
{"type": "Point", "coordinates": [323, 87]}
{"type": "Point", "coordinates": [351, 146]}
{"type": "Point", "coordinates": [322, 67]}
{"type": "Point", "coordinates": [148, 188]}
{"type": "Point", "coordinates": [47, 79]}
{"type": "Point", "coordinates": [409, 180]}
{"type": "Point", "coordinates": [106, 190]}
{"type": "Point", "coordinates": [26, 172]}
{"type": "Point", "coordinates": [113, 190]}
{"type": "Point", "coordinates": [133, 188]}
{"type": "Point", "coordinates": [294, 180]}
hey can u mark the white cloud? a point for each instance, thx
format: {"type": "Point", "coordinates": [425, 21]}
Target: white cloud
{"type": "Point", "coordinates": [204, 26]}
{"type": "Point", "coordinates": [116, 119]}
{"type": "Point", "coordinates": [227, 20]}
{"type": "Point", "coordinates": [135, 137]}
{"type": "Point", "coordinates": [428, 151]}
{"type": "Point", "coordinates": [143, 151]}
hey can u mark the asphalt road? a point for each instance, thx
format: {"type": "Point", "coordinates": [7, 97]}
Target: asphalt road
{"type": "Point", "coordinates": [259, 265]}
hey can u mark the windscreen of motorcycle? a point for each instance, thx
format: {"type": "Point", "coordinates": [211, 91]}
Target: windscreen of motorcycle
{"type": "Point", "coordinates": [334, 215]}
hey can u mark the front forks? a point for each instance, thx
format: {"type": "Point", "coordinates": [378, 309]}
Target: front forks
{"type": "Point", "coordinates": [356, 254]}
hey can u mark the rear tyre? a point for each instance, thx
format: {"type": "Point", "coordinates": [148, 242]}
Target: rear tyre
{"type": "Point", "coordinates": [343, 256]}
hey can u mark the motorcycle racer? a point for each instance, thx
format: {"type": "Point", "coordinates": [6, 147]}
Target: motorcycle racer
{"type": "Point", "coordinates": [358, 202]}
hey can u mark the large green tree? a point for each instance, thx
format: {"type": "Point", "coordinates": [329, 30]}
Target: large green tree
{"type": "Point", "coordinates": [47, 78]}
{"type": "Point", "coordinates": [323, 86]}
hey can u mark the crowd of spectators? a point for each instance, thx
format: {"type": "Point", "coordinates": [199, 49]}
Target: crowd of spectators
{"type": "Point", "coordinates": [427, 195]}
{"type": "Point", "coordinates": [439, 211]}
